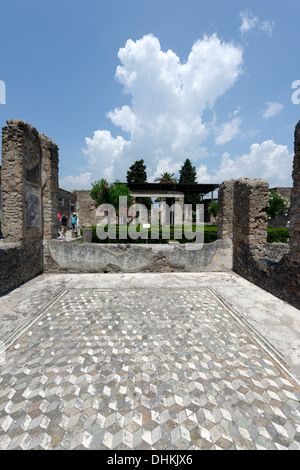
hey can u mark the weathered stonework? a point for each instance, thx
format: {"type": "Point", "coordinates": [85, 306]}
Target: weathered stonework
{"type": "Point", "coordinates": [225, 210]}
{"type": "Point", "coordinates": [21, 182]}
{"type": "Point", "coordinates": [97, 257]}
{"type": "Point", "coordinates": [19, 263]}
{"type": "Point", "coordinates": [274, 267]}
{"type": "Point", "coordinates": [86, 216]}
{"type": "Point", "coordinates": [29, 190]}
{"type": "Point", "coordinates": [49, 186]}
{"type": "Point", "coordinates": [295, 201]}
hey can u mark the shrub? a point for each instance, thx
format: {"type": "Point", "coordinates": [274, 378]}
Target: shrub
{"type": "Point", "coordinates": [210, 235]}
{"type": "Point", "coordinates": [277, 235]}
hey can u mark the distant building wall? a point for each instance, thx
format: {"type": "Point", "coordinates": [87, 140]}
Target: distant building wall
{"type": "Point", "coordinates": [85, 209]}
{"type": "Point", "coordinates": [67, 204]}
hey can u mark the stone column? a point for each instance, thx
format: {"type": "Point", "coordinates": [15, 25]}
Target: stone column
{"type": "Point", "coordinates": [295, 201]}
{"type": "Point", "coordinates": [50, 193]}
{"type": "Point", "coordinates": [225, 210]}
{"type": "Point", "coordinates": [178, 216]}
{"type": "Point", "coordinates": [162, 210]}
{"type": "Point", "coordinates": [250, 219]}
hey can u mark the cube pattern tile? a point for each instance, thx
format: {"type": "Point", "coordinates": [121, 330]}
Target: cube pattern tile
{"type": "Point", "coordinates": [144, 369]}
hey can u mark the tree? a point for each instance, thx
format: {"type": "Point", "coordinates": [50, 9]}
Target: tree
{"type": "Point", "coordinates": [104, 193]}
{"type": "Point", "coordinates": [188, 176]}
{"type": "Point", "coordinates": [277, 204]}
{"type": "Point", "coordinates": [137, 173]}
{"type": "Point", "coordinates": [166, 178]}
{"type": "Point", "coordinates": [187, 173]}
{"type": "Point", "coordinates": [213, 209]}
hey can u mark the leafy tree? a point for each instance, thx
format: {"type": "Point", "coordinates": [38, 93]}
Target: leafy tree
{"type": "Point", "coordinates": [104, 193]}
{"type": "Point", "coordinates": [188, 175]}
{"type": "Point", "coordinates": [213, 209]}
{"type": "Point", "coordinates": [137, 175]}
{"type": "Point", "coordinates": [277, 204]}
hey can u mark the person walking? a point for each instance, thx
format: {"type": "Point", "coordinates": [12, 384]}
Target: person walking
{"type": "Point", "coordinates": [64, 221]}
{"type": "Point", "coordinates": [74, 221]}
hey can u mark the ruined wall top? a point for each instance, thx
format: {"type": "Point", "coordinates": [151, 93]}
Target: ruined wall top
{"type": "Point", "coordinates": [297, 135]}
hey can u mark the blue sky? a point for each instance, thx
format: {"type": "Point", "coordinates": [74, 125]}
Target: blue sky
{"type": "Point", "coordinates": [115, 81]}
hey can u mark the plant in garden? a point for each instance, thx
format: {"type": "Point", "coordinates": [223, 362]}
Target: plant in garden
{"type": "Point", "coordinates": [103, 192]}
{"type": "Point", "coordinates": [137, 175]}
{"type": "Point", "coordinates": [213, 209]}
{"type": "Point", "coordinates": [277, 205]}
{"type": "Point", "coordinates": [188, 175]}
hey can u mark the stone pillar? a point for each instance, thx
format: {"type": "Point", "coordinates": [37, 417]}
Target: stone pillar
{"type": "Point", "coordinates": [21, 182]}
{"type": "Point", "coordinates": [250, 218]}
{"type": "Point", "coordinates": [162, 210]}
{"type": "Point", "coordinates": [178, 216]}
{"type": "Point", "coordinates": [50, 193]}
{"type": "Point", "coordinates": [225, 210]}
{"type": "Point", "coordinates": [295, 201]}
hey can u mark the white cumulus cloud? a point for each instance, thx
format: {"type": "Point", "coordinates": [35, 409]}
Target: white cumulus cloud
{"type": "Point", "coordinates": [268, 160]}
{"type": "Point", "coordinates": [168, 98]}
{"type": "Point", "coordinates": [228, 131]}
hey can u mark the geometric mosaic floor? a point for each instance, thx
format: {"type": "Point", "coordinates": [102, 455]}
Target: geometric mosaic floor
{"type": "Point", "coordinates": [143, 369]}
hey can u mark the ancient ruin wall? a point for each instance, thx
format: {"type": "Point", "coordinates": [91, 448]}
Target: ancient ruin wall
{"type": "Point", "coordinates": [295, 200]}
{"type": "Point", "coordinates": [225, 210]}
{"type": "Point", "coordinates": [29, 201]}
{"type": "Point", "coordinates": [50, 193]}
{"type": "Point", "coordinates": [274, 267]}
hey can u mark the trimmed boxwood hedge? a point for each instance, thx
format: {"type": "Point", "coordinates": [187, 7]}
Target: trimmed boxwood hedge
{"type": "Point", "coordinates": [279, 235]}
{"type": "Point", "coordinates": [210, 235]}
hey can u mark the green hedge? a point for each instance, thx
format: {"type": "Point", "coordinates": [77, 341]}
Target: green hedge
{"type": "Point", "coordinates": [279, 235]}
{"type": "Point", "coordinates": [210, 235]}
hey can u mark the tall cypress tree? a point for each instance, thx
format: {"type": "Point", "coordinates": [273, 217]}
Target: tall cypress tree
{"type": "Point", "coordinates": [188, 176]}
{"type": "Point", "coordinates": [137, 172]}
{"type": "Point", "coordinates": [137, 175]}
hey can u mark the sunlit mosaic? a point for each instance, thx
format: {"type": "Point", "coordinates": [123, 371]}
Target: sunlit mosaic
{"type": "Point", "coordinates": [143, 369]}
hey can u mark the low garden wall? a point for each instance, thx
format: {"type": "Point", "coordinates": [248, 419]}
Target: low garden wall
{"type": "Point", "coordinates": [63, 256]}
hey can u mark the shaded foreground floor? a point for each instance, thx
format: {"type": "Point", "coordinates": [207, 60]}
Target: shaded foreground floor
{"type": "Point", "coordinates": [144, 369]}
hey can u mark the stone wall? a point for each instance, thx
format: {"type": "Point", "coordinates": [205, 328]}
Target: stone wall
{"type": "Point", "coordinates": [97, 257]}
{"type": "Point", "coordinates": [67, 205]}
{"type": "Point", "coordinates": [273, 267]}
{"type": "Point", "coordinates": [86, 215]}
{"type": "Point", "coordinates": [225, 210]}
{"type": "Point", "coordinates": [29, 192]}
{"type": "Point", "coordinates": [49, 186]}
{"type": "Point", "coordinates": [19, 262]}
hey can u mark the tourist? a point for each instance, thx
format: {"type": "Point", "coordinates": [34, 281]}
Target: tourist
{"type": "Point", "coordinates": [64, 221]}
{"type": "Point", "coordinates": [74, 221]}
